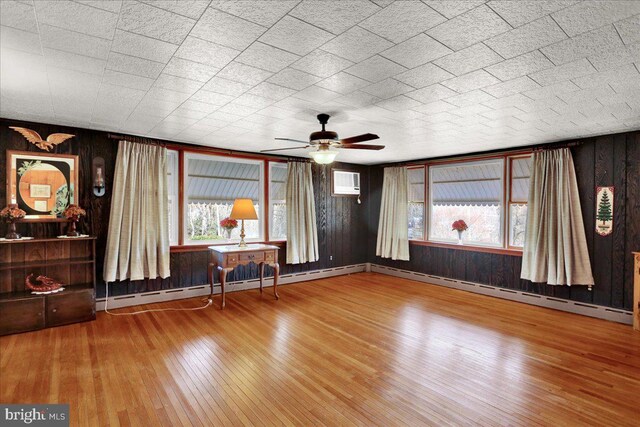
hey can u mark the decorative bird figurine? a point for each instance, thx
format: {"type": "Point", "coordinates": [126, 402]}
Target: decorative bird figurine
{"type": "Point", "coordinates": [35, 138]}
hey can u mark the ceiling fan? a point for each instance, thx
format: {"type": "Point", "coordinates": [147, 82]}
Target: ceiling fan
{"type": "Point", "coordinates": [325, 140]}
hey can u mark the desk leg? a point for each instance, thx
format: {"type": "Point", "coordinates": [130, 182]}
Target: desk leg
{"type": "Point", "coordinates": [223, 280]}
{"type": "Point", "coordinates": [261, 270]}
{"type": "Point", "coordinates": [210, 274]}
{"type": "Point", "coordinates": [276, 274]}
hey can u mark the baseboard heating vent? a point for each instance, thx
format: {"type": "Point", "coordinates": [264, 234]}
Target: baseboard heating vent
{"type": "Point", "coordinates": [205, 289]}
{"type": "Point", "coordinates": [591, 310]}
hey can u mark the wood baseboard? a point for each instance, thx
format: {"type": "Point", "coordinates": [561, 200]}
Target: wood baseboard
{"type": "Point", "coordinates": [165, 295]}
{"type": "Point", "coordinates": [577, 307]}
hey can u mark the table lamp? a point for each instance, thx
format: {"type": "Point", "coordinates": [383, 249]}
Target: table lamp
{"type": "Point", "coordinates": [243, 209]}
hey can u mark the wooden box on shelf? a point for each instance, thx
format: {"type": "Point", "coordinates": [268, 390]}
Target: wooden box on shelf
{"type": "Point", "coordinates": [69, 261]}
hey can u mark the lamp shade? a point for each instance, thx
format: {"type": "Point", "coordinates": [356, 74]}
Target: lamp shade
{"type": "Point", "coordinates": [243, 209]}
{"type": "Point", "coordinates": [323, 157]}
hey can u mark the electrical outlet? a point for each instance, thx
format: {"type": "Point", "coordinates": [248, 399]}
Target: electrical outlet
{"type": "Point", "coordinates": [330, 257]}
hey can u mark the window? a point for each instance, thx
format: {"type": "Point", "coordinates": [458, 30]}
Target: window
{"type": "Point", "coordinates": [416, 202]}
{"type": "Point", "coordinates": [472, 191]}
{"type": "Point", "coordinates": [520, 169]}
{"type": "Point", "coordinates": [172, 191]}
{"type": "Point", "coordinates": [211, 184]}
{"type": "Point", "coordinates": [277, 200]}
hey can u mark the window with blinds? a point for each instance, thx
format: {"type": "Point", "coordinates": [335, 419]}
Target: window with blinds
{"type": "Point", "coordinates": [277, 200]}
{"type": "Point", "coordinates": [471, 191]}
{"type": "Point", "coordinates": [211, 184]}
{"type": "Point", "coordinates": [520, 169]}
{"type": "Point", "coordinates": [416, 209]}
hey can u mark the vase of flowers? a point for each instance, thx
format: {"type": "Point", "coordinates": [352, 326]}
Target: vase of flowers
{"type": "Point", "coordinates": [228, 225]}
{"type": "Point", "coordinates": [73, 213]}
{"type": "Point", "coordinates": [460, 226]}
{"type": "Point", "coordinates": [11, 214]}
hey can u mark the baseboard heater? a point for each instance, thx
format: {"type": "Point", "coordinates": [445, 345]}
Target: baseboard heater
{"type": "Point", "coordinates": [204, 289]}
{"type": "Point", "coordinates": [577, 307]}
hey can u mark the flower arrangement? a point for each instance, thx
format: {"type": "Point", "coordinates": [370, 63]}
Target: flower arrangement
{"type": "Point", "coordinates": [459, 225]}
{"type": "Point", "coordinates": [74, 212]}
{"type": "Point", "coordinates": [12, 213]}
{"type": "Point", "coordinates": [229, 223]}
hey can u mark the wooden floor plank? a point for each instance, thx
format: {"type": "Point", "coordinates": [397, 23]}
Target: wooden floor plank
{"type": "Point", "coordinates": [363, 349]}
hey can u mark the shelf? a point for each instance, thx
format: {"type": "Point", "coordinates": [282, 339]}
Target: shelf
{"type": "Point", "coordinates": [44, 263]}
{"type": "Point", "coordinates": [68, 289]}
{"type": "Point", "coordinates": [54, 239]}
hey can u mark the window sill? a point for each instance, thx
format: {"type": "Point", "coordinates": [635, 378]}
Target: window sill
{"type": "Point", "coordinates": [485, 249]}
{"type": "Point", "coordinates": [204, 247]}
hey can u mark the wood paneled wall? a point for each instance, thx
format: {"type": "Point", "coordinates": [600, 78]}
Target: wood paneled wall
{"type": "Point", "coordinates": [340, 225]}
{"type": "Point", "coordinates": [612, 160]}
{"type": "Point", "coordinates": [347, 230]}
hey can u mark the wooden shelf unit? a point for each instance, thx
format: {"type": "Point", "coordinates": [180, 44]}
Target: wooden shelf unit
{"type": "Point", "coordinates": [70, 261]}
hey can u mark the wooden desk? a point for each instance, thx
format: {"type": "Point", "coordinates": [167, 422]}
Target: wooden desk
{"type": "Point", "coordinates": [226, 258]}
{"type": "Point", "coordinates": [636, 291]}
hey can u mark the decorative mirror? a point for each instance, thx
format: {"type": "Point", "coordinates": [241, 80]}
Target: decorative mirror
{"type": "Point", "coordinates": [42, 184]}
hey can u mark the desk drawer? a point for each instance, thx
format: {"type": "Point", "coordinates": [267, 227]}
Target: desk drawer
{"type": "Point", "coordinates": [252, 256]}
{"type": "Point", "coordinates": [270, 256]}
{"type": "Point", "coordinates": [231, 260]}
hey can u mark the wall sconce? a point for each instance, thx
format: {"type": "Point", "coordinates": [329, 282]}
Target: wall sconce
{"type": "Point", "coordinates": [98, 177]}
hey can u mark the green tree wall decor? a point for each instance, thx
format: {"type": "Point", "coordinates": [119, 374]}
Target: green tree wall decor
{"type": "Point", "coordinates": [604, 210]}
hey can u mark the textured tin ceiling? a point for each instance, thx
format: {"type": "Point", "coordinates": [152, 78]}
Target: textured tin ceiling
{"type": "Point", "coordinates": [431, 78]}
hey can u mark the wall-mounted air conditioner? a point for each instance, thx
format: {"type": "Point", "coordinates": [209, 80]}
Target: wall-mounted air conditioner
{"type": "Point", "coordinates": [346, 183]}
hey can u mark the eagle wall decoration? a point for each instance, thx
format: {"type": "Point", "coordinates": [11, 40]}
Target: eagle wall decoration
{"type": "Point", "coordinates": [35, 138]}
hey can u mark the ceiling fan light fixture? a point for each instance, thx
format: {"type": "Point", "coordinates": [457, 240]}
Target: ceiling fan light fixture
{"type": "Point", "coordinates": [323, 157]}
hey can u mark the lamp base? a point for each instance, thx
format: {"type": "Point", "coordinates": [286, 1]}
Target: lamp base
{"type": "Point", "coordinates": [242, 243]}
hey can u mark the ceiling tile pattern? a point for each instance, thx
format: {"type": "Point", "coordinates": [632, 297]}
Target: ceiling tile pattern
{"type": "Point", "coordinates": [430, 77]}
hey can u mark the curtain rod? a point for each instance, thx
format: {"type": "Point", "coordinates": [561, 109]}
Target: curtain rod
{"type": "Point", "coordinates": [137, 139]}
{"type": "Point", "coordinates": [196, 148]}
{"type": "Point", "coordinates": [556, 145]}
{"type": "Point", "coordinates": [512, 152]}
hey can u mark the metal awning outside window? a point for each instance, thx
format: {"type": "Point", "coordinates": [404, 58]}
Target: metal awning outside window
{"type": "Point", "coordinates": [471, 183]}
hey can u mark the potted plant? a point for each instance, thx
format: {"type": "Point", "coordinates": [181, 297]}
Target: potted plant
{"type": "Point", "coordinates": [460, 226]}
{"type": "Point", "coordinates": [11, 214]}
{"type": "Point", "coordinates": [73, 214]}
{"type": "Point", "coordinates": [228, 225]}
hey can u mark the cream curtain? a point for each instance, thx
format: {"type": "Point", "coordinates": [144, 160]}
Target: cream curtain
{"type": "Point", "coordinates": [555, 246]}
{"type": "Point", "coordinates": [393, 227]}
{"type": "Point", "coordinates": [302, 232]}
{"type": "Point", "coordinates": [138, 236]}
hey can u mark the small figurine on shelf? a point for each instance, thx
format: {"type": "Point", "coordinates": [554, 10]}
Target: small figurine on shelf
{"type": "Point", "coordinates": [11, 214]}
{"type": "Point", "coordinates": [73, 214]}
{"type": "Point", "coordinates": [42, 285]}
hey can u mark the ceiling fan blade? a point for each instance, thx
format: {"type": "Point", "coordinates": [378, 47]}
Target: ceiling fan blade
{"type": "Point", "coordinates": [292, 140]}
{"type": "Point", "coordinates": [283, 149]}
{"type": "Point", "coordinates": [359, 138]}
{"type": "Point", "coordinates": [361, 147]}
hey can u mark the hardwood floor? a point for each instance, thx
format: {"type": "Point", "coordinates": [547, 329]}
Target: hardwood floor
{"type": "Point", "coordinates": [364, 349]}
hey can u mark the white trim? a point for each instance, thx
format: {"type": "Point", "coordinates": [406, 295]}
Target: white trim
{"type": "Point", "coordinates": [205, 290]}
{"type": "Point", "coordinates": [577, 307]}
